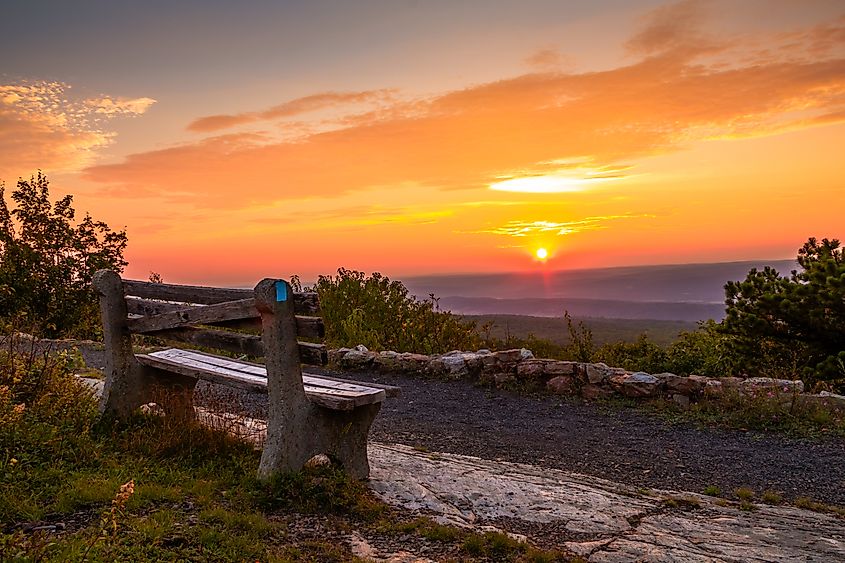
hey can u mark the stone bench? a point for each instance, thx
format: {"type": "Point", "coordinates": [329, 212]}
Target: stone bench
{"type": "Point", "coordinates": [308, 414]}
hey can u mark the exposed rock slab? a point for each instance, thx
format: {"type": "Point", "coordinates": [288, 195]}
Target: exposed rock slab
{"type": "Point", "coordinates": [608, 521]}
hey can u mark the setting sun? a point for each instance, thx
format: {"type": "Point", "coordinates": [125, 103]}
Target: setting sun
{"type": "Point", "coordinates": [542, 253]}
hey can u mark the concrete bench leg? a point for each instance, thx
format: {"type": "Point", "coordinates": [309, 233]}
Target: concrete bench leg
{"type": "Point", "coordinates": [341, 435]}
{"type": "Point", "coordinates": [297, 429]}
{"type": "Point", "coordinates": [347, 439]}
{"type": "Point", "coordinates": [129, 384]}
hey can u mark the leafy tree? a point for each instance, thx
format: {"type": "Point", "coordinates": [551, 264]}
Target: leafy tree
{"type": "Point", "coordinates": [47, 261]}
{"type": "Point", "coordinates": [795, 322]}
{"type": "Point", "coordinates": [380, 314]}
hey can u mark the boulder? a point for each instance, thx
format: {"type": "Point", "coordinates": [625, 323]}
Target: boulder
{"type": "Point", "coordinates": [639, 384]}
{"type": "Point", "coordinates": [473, 361]}
{"type": "Point", "coordinates": [598, 373]}
{"type": "Point", "coordinates": [690, 385]}
{"type": "Point", "coordinates": [832, 396]}
{"type": "Point", "coordinates": [555, 367]}
{"type": "Point", "coordinates": [387, 361]}
{"type": "Point", "coordinates": [337, 354]}
{"type": "Point", "coordinates": [593, 392]}
{"type": "Point", "coordinates": [562, 385]}
{"type": "Point", "coordinates": [681, 400]}
{"type": "Point", "coordinates": [531, 369]}
{"type": "Point", "coordinates": [412, 363]}
{"type": "Point", "coordinates": [357, 359]}
{"type": "Point", "coordinates": [525, 354]}
{"type": "Point", "coordinates": [456, 367]}
{"type": "Point", "coordinates": [756, 384]}
{"type": "Point", "coordinates": [508, 356]}
{"type": "Point", "coordinates": [436, 367]}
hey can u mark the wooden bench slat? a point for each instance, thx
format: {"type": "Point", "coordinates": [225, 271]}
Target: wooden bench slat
{"type": "Point", "coordinates": [176, 354]}
{"type": "Point", "coordinates": [305, 303]}
{"type": "Point", "coordinates": [237, 343]}
{"type": "Point", "coordinates": [227, 311]}
{"type": "Point", "coordinates": [306, 326]}
{"type": "Point", "coordinates": [333, 398]}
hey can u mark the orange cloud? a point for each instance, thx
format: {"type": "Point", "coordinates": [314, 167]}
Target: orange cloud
{"type": "Point", "coordinates": [41, 126]}
{"type": "Point", "coordinates": [679, 93]}
{"type": "Point", "coordinates": [293, 107]}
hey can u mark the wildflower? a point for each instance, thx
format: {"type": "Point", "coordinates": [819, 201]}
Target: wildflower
{"type": "Point", "coordinates": [13, 461]}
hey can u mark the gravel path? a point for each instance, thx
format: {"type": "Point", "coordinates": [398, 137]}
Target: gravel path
{"type": "Point", "coordinates": [619, 444]}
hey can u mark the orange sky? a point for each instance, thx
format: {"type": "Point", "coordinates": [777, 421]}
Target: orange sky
{"type": "Point", "coordinates": [613, 134]}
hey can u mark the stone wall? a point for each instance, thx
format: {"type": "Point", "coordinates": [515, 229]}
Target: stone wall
{"type": "Point", "coordinates": [588, 380]}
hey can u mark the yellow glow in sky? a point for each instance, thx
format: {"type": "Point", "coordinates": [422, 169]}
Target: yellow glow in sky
{"type": "Point", "coordinates": [590, 134]}
{"type": "Point", "coordinates": [552, 184]}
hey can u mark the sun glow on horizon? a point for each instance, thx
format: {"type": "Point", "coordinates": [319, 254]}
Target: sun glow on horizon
{"type": "Point", "coordinates": [549, 184]}
{"type": "Point", "coordinates": [542, 254]}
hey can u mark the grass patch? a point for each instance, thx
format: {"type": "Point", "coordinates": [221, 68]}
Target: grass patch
{"type": "Point", "coordinates": [154, 488]}
{"type": "Point", "coordinates": [783, 413]}
{"type": "Point", "coordinates": [744, 493]}
{"type": "Point", "coordinates": [712, 491]}
{"type": "Point", "coordinates": [772, 497]}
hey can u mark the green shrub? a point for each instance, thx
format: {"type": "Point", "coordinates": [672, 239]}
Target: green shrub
{"type": "Point", "coordinates": [380, 314]}
{"type": "Point", "coordinates": [707, 350]}
{"type": "Point", "coordinates": [642, 355]}
{"type": "Point", "coordinates": [46, 422]}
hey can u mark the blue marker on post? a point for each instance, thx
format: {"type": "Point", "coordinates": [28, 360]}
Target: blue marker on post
{"type": "Point", "coordinates": [281, 291]}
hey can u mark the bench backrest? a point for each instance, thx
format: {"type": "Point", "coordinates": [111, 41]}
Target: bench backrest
{"type": "Point", "coordinates": [200, 316]}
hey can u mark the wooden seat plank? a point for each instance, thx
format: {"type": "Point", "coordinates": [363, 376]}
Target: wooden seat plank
{"type": "Point", "coordinates": [327, 393]}
{"type": "Point", "coordinates": [257, 369]}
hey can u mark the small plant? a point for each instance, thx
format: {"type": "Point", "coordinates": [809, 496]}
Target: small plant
{"type": "Point", "coordinates": [747, 506]}
{"type": "Point", "coordinates": [712, 491]}
{"type": "Point", "coordinates": [686, 503]}
{"type": "Point", "coordinates": [772, 497]}
{"type": "Point", "coordinates": [744, 493]}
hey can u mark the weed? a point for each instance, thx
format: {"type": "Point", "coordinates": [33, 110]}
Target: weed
{"type": "Point", "coordinates": [772, 497]}
{"type": "Point", "coordinates": [744, 493]}
{"type": "Point", "coordinates": [712, 491]}
{"type": "Point", "coordinates": [685, 503]}
{"type": "Point", "coordinates": [747, 506]}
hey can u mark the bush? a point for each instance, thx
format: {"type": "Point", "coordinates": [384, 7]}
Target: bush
{"type": "Point", "coordinates": [46, 421]}
{"type": "Point", "coordinates": [47, 262]}
{"type": "Point", "coordinates": [380, 314]}
{"type": "Point", "coordinates": [642, 355]}
{"type": "Point", "coordinates": [705, 351]}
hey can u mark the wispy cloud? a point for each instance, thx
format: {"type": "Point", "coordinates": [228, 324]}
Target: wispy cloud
{"type": "Point", "coordinates": [43, 126]}
{"type": "Point", "coordinates": [291, 108]}
{"type": "Point", "coordinates": [686, 86]}
{"type": "Point", "coordinates": [555, 228]}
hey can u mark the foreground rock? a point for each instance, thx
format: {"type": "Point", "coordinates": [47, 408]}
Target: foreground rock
{"type": "Point", "coordinates": [600, 520]}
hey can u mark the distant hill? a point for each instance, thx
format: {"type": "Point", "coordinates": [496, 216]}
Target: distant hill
{"type": "Point", "coordinates": [604, 330]}
{"type": "Point", "coordinates": [687, 292]}
{"type": "Point", "coordinates": [581, 308]}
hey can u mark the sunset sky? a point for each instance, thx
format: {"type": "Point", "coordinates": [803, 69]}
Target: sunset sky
{"type": "Point", "coordinates": [238, 140]}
